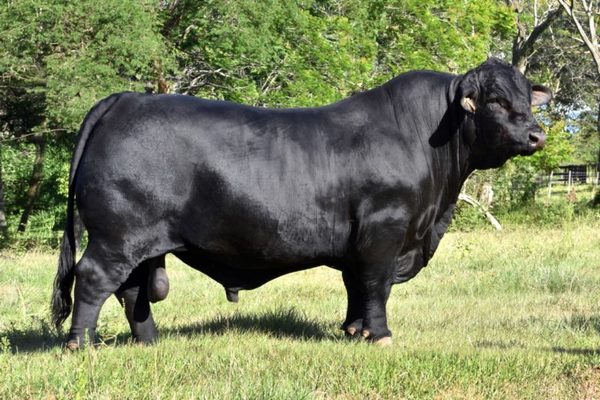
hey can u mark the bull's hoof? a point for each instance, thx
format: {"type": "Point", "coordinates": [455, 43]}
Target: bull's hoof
{"type": "Point", "coordinates": [352, 329]}
{"type": "Point", "coordinates": [384, 341]}
{"type": "Point", "coordinates": [145, 340]}
{"type": "Point", "coordinates": [72, 345]}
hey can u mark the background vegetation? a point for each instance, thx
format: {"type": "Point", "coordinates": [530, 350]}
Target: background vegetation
{"type": "Point", "coordinates": [58, 58]}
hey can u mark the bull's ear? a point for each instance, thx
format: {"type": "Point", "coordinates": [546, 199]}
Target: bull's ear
{"type": "Point", "coordinates": [468, 91]}
{"type": "Point", "coordinates": [469, 104]}
{"type": "Point", "coordinates": [540, 95]}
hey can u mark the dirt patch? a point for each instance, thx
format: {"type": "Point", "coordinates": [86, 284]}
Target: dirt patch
{"type": "Point", "coordinates": [590, 387]}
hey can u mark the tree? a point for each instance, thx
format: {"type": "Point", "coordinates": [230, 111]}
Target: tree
{"type": "Point", "coordinates": [284, 53]}
{"type": "Point", "coordinates": [530, 26]}
{"type": "Point", "coordinates": [3, 223]}
{"type": "Point", "coordinates": [276, 53]}
{"type": "Point", "coordinates": [590, 11]}
{"type": "Point", "coordinates": [58, 58]}
{"type": "Point", "coordinates": [589, 36]}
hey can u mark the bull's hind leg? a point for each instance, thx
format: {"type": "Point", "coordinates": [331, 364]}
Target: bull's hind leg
{"type": "Point", "coordinates": [95, 281]}
{"type": "Point", "coordinates": [134, 295]}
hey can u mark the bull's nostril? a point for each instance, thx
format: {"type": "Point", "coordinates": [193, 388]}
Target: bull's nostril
{"type": "Point", "coordinates": [537, 139]}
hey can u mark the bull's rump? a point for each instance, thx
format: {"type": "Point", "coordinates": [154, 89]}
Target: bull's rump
{"type": "Point", "coordinates": [245, 183]}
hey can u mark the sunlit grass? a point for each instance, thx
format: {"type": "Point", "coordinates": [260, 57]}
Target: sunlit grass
{"type": "Point", "coordinates": [512, 314]}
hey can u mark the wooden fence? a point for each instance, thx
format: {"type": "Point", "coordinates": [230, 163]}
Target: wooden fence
{"type": "Point", "coordinates": [575, 174]}
{"type": "Point", "coordinates": [570, 175]}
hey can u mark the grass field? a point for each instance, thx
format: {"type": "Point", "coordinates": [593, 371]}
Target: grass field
{"type": "Point", "coordinates": [509, 315]}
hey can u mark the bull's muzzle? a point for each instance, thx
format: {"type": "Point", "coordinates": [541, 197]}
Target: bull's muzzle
{"type": "Point", "coordinates": [537, 140]}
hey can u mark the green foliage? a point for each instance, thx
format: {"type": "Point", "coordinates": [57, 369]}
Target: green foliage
{"type": "Point", "coordinates": [48, 220]}
{"type": "Point", "coordinates": [586, 139]}
{"type": "Point", "coordinates": [279, 53]}
{"type": "Point", "coordinates": [56, 60]}
{"type": "Point", "coordinates": [284, 53]}
{"type": "Point", "coordinates": [75, 53]}
{"type": "Point", "coordinates": [438, 34]}
{"type": "Point", "coordinates": [468, 218]}
{"type": "Point", "coordinates": [16, 163]}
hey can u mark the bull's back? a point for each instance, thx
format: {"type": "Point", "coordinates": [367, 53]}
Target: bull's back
{"type": "Point", "coordinates": [223, 177]}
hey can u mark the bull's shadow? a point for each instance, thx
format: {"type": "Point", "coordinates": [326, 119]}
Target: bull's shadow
{"type": "Point", "coordinates": [576, 322]}
{"type": "Point", "coordinates": [29, 340]}
{"type": "Point", "coordinates": [280, 323]}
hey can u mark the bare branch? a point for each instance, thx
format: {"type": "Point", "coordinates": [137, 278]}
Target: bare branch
{"type": "Point", "coordinates": [523, 44]}
{"type": "Point", "coordinates": [590, 38]}
{"type": "Point", "coordinates": [29, 136]}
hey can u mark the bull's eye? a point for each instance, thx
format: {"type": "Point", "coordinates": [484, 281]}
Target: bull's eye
{"type": "Point", "coordinates": [500, 102]}
{"type": "Point", "coordinates": [518, 117]}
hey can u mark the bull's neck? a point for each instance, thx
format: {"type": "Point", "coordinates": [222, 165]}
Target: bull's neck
{"type": "Point", "coordinates": [425, 105]}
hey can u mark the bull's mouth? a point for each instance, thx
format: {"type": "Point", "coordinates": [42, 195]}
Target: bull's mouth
{"type": "Point", "coordinates": [527, 149]}
{"type": "Point", "coordinates": [530, 150]}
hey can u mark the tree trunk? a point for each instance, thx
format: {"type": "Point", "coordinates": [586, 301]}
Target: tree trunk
{"type": "Point", "coordinates": [34, 182]}
{"type": "Point", "coordinates": [3, 224]}
{"type": "Point", "coordinates": [523, 42]}
{"type": "Point", "coordinates": [598, 133]}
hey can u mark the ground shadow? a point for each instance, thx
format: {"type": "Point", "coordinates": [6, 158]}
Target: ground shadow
{"type": "Point", "coordinates": [281, 324]}
{"type": "Point", "coordinates": [575, 351]}
{"type": "Point", "coordinates": [507, 345]}
{"type": "Point", "coordinates": [499, 344]}
{"type": "Point", "coordinates": [29, 341]}
{"type": "Point", "coordinates": [582, 322]}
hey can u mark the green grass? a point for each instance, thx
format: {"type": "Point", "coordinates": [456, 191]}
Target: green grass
{"type": "Point", "coordinates": [514, 314]}
{"type": "Point", "coordinates": [559, 191]}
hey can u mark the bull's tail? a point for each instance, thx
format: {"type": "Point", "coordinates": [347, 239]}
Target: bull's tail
{"type": "Point", "coordinates": [65, 275]}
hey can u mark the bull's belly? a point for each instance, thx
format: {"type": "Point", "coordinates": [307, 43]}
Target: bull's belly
{"type": "Point", "coordinates": [239, 273]}
{"type": "Point", "coordinates": [258, 249]}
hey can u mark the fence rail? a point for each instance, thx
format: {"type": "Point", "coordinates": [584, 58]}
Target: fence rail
{"type": "Point", "coordinates": [575, 174]}
{"type": "Point", "coordinates": [571, 175]}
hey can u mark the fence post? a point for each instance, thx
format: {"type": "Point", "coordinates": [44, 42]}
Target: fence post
{"type": "Point", "coordinates": [569, 181]}
{"type": "Point", "coordinates": [550, 184]}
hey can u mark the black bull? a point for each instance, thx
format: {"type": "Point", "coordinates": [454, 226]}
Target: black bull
{"type": "Point", "coordinates": [367, 185]}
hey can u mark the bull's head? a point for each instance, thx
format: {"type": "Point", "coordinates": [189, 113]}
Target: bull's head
{"type": "Point", "coordinates": [500, 124]}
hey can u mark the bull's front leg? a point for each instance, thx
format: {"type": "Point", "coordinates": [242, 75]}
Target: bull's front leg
{"type": "Point", "coordinates": [375, 282]}
{"type": "Point", "coordinates": [368, 288]}
{"type": "Point", "coordinates": [353, 323]}
{"type": "Point", "coordinates": [370, 277]}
